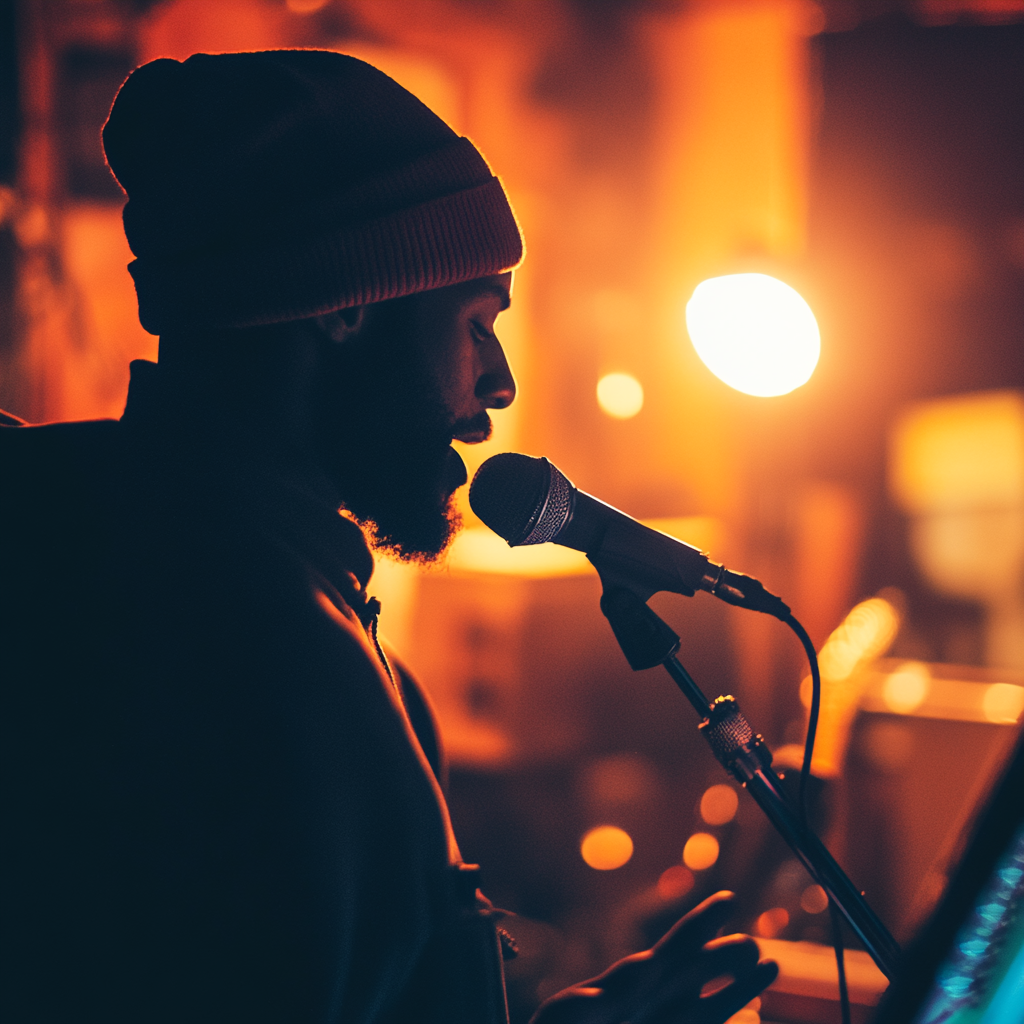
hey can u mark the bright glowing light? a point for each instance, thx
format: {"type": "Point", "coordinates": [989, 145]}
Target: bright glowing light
{"type": "Point", "coordinates": [606, 848]}
{"type": "Point", "coordinates": [620, 395]}
{"type": "Point", "coordinates": [1003, 702]}
{"type": "Point", "coordinates": [905, 690]}
{"type": "Point", "coordinates": [865, 634]}
{"type": "Point", "coordinates": [771, 922]}
{"type": "Point", "coordinates": [754, 333]}
{"type": "Point", "coordinates": [675, 882]}
{"type": "Point", "coordinates": [700, 851]}
{"type": "Point", "coordinates": [718, 805]}
{"type": "Point", "coordinates": [813, 899]}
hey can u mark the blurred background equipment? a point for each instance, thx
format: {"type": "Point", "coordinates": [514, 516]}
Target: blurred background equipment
{"type": "Point", "coordinates": [866, 154]}
{"type": "Point", "coordinates": [957, 469]}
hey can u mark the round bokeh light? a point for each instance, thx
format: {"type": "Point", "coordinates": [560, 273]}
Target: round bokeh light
{"type": "Point", "coordinates": [606, 847]}
{"type": "Point", "coordinates": [620, 395]}
{"type": "Point", "coordinates": [700, 851]}
{"type": "Point", "coordinates": [754, 333]}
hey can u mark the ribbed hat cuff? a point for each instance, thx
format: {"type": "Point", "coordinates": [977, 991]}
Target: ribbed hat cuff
{"type": "Point", "coordinates": [470, 234]}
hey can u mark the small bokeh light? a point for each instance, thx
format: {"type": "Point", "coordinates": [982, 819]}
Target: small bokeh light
{"type": "Point", "coordinates": [700, 851]}
{"type": "Point", "coordinates": [675, 882]}
{"type": "Point", "coordinates": [771, 923]}
{"type": "Point", "coordinates": [813, 900]}
{"type": "Point", "coordinates": [718, 804]}
{"type": "Point", "coordinates": [754, 332]}
{"type": "Point", "coordinates": [620, 395]}
{"type": "Point", "coordinates": [606, 847]}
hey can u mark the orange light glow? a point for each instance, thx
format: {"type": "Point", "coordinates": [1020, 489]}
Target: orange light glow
{"type": "Point", "coordinates": [1003, 703]}
{"type": "Point", "coordinates": [700, 851]}
{"type": "Point", "coordinates": [771, 922]}
{"type": "Point", "coordinates": [675, 882]}
{"type": "Point", "coordinates": [750, 1014]}
{"type": "Point", "coordinates": [813, 900]}
{"type": "Point", "coordinates": [865, 633]}
{"type": "Point", "coordinates": [754, 332]}
{"type": "Point", "coordinates": [620, 395]}
{"type": "Point", "coordinates": [906, 688]}
{"type": "Point", "coordinates": [606, 848]}
{"type": "Point", "coordinates": [718, 805]}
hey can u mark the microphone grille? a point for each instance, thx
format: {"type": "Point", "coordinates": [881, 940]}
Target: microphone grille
{"type": "Point", "coordinates": [522, 499]}
{"type": "Point", "coordinates": [508, 491]}
{"type": "Point", "coordinates": [556, 511]}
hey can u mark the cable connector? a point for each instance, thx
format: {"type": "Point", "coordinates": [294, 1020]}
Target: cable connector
{"type": "Point", "coordinates": [742, 591]}
{"type": "Point", "coordinates": [740, 750]}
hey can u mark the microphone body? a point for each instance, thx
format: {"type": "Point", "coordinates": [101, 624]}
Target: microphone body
{"type": "Point", "coordinates": [529, 501]}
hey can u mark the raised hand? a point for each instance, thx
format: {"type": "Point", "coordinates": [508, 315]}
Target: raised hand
{"type": "Point", "coordinates": [664, 985]}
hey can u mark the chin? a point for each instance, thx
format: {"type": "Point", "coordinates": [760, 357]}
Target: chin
{"type": "Point", "coordinates": [420, 541]}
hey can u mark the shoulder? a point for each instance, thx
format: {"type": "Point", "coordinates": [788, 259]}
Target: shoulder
{"type": "Point", "coordinates": [34, 456]}
{"type": "Point", "coordinates": [16, 435]}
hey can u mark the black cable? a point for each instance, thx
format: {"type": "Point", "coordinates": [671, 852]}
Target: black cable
{"type": "Point", "coordinates": [812, 718]}
{"type": "Point", "coordinates": [805, 774]}
{"type": "Point", "coordinates": [837, 944]}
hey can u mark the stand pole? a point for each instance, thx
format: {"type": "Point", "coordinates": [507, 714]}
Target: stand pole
{"type": "Point", "coordinates": [747, 758]}
{"type": "Point", "coordinates": [647, 640]}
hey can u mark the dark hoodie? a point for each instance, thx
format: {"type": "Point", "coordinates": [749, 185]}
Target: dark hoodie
{"type": "Point", "coordinates": [220, 803]}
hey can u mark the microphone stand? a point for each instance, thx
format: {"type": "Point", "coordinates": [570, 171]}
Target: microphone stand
{"type": "Point", "coordinates": [647, 640]}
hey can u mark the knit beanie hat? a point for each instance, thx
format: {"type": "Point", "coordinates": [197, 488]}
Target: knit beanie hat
{"type": "Point", "coordinates": [273, 186]}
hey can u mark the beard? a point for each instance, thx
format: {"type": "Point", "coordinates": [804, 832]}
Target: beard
{"type": "Point", "coordinates": [384, 437]}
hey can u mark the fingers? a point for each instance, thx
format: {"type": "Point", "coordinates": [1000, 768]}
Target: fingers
{"type": "Point", "coordinates": [685, 958]}
{"type": "Point", "coordinates": [664, 984]}
{"type": "Point", "coordinates": [626, 975]}
{"type": "Point", "coordinates": [699, 926]}
{"type": "Point", "coordinates": [717, 1008]}
{"type": "Point", "coordinates": [679, 982]}
{"type": "Point", "coordinates": [576, 1005]}
{"type": "Point", "coordinates": [731, 999]}
{"type": "Point", "coordinates": [731, 954]}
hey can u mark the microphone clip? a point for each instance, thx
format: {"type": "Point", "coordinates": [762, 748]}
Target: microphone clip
{"type": "Point", "coordinates": [645, 638]}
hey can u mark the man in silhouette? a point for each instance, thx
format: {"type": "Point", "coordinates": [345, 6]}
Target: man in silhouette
{"type": "Point", "coordinates": [223, 801]}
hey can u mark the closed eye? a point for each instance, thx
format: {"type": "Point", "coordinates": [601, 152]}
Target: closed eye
{"type": "Point", "coordinates": [481, 333]}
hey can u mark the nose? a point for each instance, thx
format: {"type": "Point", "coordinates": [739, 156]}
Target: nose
{"type": "Point", "coordinates": [495, 387]}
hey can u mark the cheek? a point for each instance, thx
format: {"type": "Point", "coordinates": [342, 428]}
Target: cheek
{"type": "Point", "coordinates": [456, 375]}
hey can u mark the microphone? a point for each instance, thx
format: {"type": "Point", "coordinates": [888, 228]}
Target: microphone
{"type": "Point", "coordinates": [529, 501]}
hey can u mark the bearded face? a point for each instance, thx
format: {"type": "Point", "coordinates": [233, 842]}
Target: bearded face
{"type": "Point", "coordinates": [392, 398]}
